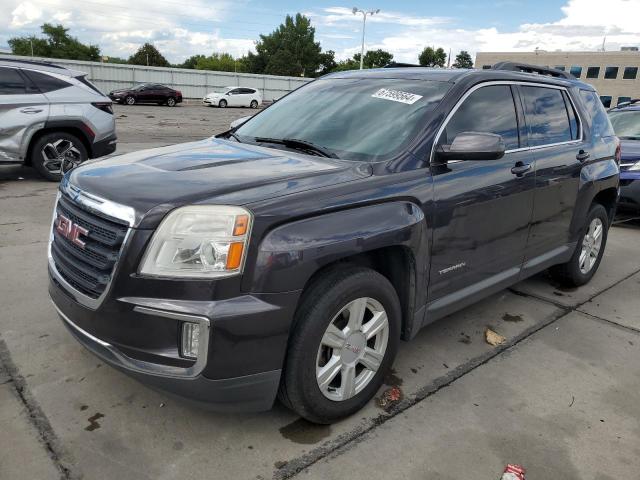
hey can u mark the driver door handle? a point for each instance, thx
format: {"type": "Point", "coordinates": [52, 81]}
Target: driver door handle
{"type": "Point", "coordinates": [521, 168]}
{"type": "Point", "coordinates": [31, 110]}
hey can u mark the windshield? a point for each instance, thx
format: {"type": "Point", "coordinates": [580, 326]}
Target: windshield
{"type": "Point", "coordinates": [139, 87]}
{"type": "Point", "coordinates": [221, 90]}
{"type": "Point", "coordinates": [626, 124]}
{"type": "Point", "coordinates": [354, 118]}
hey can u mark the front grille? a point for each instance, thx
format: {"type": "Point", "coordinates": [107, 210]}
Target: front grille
{"type": "Point", "coordinates": [87, 269]}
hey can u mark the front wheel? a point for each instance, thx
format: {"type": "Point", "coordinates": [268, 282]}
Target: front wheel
{"type": "Point", "coordinates": [345, 339]}
{"type": "Point", "coordinates": [222, 104]}
{"type": "Point", "coordinates": [588, 254]}
{"type": "Point", "coordinates": [130, 100]}
{"type": "Point", "coordinates": [54, 154]}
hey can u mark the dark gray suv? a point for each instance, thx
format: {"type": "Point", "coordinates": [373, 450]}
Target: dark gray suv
{"type": "Point", "coordinates": [52, 118]}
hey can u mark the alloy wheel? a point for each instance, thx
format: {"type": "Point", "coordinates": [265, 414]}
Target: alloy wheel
{"type": "Point", "coordinates": [171, 102]}
{"type": "Point", "coordinates": [60, 156]}
{"type": "Point", "coordinates": [591, 244]}
{"type": "Point", "coordinates": [352, 349]}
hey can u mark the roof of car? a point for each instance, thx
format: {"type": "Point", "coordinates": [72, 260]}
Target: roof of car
{"type": "Point", "coordinates": [40, 66]}
{"type": "Point", "coordinates": [456, 74]}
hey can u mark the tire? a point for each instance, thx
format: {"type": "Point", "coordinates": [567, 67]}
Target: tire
{"type": "Point", "coordinates": [171, 102]}
{"type": "Point", "coordinates": [222, 104]}
{"type": "Point", "coordinates": [254, 104]}
{"type": "Point", "coordinates": [130, 100]}
{"type": "Point", "coordinates": [56, 153]}
{"type": "Point", "coordinates": [329, 301]}
{"type": "Point", "coordinates": [585, 261]}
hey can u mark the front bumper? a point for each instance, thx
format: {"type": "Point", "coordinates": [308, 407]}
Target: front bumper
{"type": "Point", "coordinates": [630, 190]}
{"type": "Point", "coordinates": [245, 338]}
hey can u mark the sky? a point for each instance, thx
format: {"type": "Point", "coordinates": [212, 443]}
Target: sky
{"type": "Point", "coordinates": [181, 28]}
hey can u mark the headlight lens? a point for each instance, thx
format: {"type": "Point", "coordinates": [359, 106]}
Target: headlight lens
{"type": "Point", "coordinates": [199, 241]}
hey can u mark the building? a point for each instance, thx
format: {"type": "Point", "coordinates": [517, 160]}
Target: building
{"type": "Point", "coordinates": [615, 75]}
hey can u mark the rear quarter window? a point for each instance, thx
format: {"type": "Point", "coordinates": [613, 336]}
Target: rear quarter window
{"type": "Point", "coordinates": [11, 82]}
{"type": "Point", "coordinates": [598, 118]}
{"type": "Point", "coordinates": [46, 83]}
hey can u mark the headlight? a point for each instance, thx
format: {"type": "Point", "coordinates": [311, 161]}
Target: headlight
{"type": "Point", "coordinates": [199, 241]}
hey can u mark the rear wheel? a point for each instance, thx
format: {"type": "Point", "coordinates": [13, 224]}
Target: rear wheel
{"type": "Point", "coordinates": [254, 104]}
{"type": "Point", "coordinates": [130, 100]}
{"type": "Point", "coordinates": [586, 259]}
{"type": "Point", "coordinates": [54, 154]}
{"type": "Point", "coordinates": [222, 104]}
{"type": "Point", "coordinates": [171, 102]}
{"type": "Point", "coordinates": [346, 335]}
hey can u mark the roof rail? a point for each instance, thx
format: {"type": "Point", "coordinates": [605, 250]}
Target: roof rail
{"type": "Point", "coordinates": [526, 68]}
{"type": "Point", "coordinates": [400, 65]}
{"type": "Point", "coordinates": [626, 104]}
{"type": "Point", "coordinates": [32, 62]}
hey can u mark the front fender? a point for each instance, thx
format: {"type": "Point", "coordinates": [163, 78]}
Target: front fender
{"type": "Point", "coordinates": [290, 254]}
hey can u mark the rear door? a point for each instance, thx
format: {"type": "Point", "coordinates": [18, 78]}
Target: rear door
{"type": "Point", "coordinates": [555, 138]}
{"type": "Point", "coordinates": [23, 110]}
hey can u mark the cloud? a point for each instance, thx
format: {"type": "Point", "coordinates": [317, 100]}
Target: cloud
{"type": "Point", "coordinates": [24, 14]}
{"type": "Point", "coordinates": [340, 15]}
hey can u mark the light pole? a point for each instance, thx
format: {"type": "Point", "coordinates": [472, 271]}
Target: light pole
{"type": "Point", "coordinates": [364, 13]}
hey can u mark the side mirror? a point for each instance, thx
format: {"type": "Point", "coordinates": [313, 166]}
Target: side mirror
{"type": "Point", "coordinates": [239, 121]}
{"type": "Point", "coordinates": [473, 146]}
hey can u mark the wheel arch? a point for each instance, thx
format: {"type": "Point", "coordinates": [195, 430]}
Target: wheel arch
{"type": "Point", "coordinates": [75, 130]}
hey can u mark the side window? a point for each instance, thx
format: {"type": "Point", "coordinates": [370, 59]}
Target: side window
{"type": "Point", "coordinates": [487, 110]}
{"type": "Point", "coordinates": [547, 117]}
{"type": "Point", "coordinates": [46, 83]}
{"type": "Point", "coordinates": [600, 124]}
{"type": "Point", "coordinates": [573, 117]}
{"type": "Point", "coordinates": [11, 83]}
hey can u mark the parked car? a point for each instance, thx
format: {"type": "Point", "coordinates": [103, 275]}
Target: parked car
{"type": "Point", "coordinates": [233, 97]}
{"type": "Point", "coordinates": [625, 119]}
{"type": "Point", "coordinates": [52, 118]}
{"type": "Point", "coordinates": [289, 256]}
{"type": "Point", "coordinates": [147, 93]}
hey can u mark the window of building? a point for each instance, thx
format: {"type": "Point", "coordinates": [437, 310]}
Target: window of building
{"type": "Point", "coordinates": [630, 73]}
{"type": "Point", "coordinates": [487, 110]}
{"type": "Point", "coordinates": [593, 72]}
{"type": "Point", "coordinates": [623, 100]}
{"type": "Point", "coordinates": [576, 71]}
{"type": "Point", "coordinates": [560, 67]}
{"type": "Point", "coordinates": [11, 83]}
{"type": "Point", "coordinates": [611, 73]}
{"type": "Point", "coordinates": [547, 116]}
{"type": "Point", "coordinates": [600, 125]}
{"type": "Point", "coordinates": [606, 100]}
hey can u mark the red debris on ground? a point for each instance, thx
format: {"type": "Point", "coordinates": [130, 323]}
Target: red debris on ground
{"type": "Point", "coordinates": [390, 397]}
{"type": "Point", "coordinates": [513, 472]}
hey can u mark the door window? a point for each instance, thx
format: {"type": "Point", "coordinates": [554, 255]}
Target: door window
{"type": "Point", "coordinates": [487, 110]}
{"type": "Point", "coordinates": [11, 82]}
{"type": "Point", "coordinates": [547, 116]}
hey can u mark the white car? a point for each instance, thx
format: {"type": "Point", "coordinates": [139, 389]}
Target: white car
{"type": "Point", "coordinates": [233, 97]}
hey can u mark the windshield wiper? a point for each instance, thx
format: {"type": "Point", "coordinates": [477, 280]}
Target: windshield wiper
{"type": "Point", "coordinates": [297, 144]}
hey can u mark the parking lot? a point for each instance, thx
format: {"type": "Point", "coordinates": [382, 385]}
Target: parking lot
{"type": "Point", "coordinates": [561, 396]}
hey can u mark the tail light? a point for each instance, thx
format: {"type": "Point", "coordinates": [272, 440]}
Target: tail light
{"type": "Point", "coordinates": [104, 106]}
{"type": "Point", "coordinates": [618, 151]}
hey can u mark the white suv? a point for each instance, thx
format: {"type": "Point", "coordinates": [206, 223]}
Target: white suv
{"type": "Point", "coordinates": [52, 118]}
{"type": "Point", "coordinates": [233, 97]}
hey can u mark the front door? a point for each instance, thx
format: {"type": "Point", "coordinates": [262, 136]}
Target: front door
{"type": "Point", "coordinates": [482, 208]}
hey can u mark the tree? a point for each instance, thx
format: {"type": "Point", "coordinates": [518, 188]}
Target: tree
{"type": "Point", "coordinates": [290, 49]}
{"type": "Point", "coordinates": [191, 62]}
{"type": "Point", "coordinates": [375, 58]}
{"type": "Point", "coordinates": [432, 58]}
{"type": "Point", "coordinates": [221, 62]}
{"type": "Point", "coordinates": [147, 54]}
{"type": "Point", "coordinates": [463, 60]}
{"type": "Point", "coordinates": [56, 44]}
{"type": "Point", "coordinates": [327, 62]}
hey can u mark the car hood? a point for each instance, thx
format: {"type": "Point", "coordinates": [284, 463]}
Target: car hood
{"type": "Point", "coordinates": [207, 171]}
{"type": "Point", "coordinates": [630, 150]}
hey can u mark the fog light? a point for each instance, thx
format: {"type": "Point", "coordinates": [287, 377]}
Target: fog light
{"type": "Point", "coordinates": [190, 339]}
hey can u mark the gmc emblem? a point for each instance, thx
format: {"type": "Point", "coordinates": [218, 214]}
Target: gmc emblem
{"type": "Point", "coordinates": [71, 231]}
